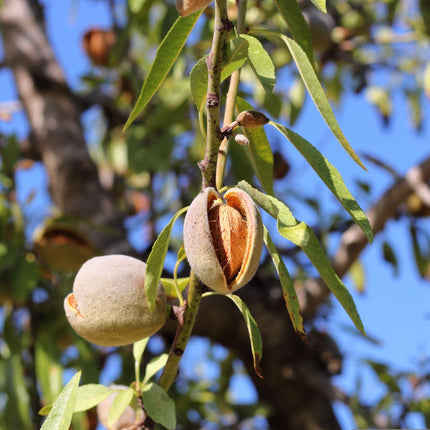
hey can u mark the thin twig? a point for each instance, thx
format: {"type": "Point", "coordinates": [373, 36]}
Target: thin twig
{"type": "Point", "coordinates": [231, 99]}
{"type": "Point", "coordinates": [183, 333]}
{"type": "Point", "coordinates": [214, 65]}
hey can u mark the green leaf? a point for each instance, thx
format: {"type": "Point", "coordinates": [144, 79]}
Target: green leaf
{"type": "Point", "coordinates": [292, 14]}
{"type": "Point", "coordinates": [61, 413]}
{"type": "Point", "coordinates": [253, 330]}
{"type": "Point", "coordinates": [49, 371]}
{"type": "Point", "coordinates": [166, 55]}
{"type": "Point", "coordinates": [320, 4]}
{"type": "Point", "coordinates": [120, 402]}
{"type": "Point", "coordinates": [199, 83]}
{"type": "Point", "coordinates": [138, 350]}
{"type": "Point", "coordinates": [155, 262]}
{"type": "Point", "coordinates": [156, 364]}
{"type": "Point", "coordinates": [289, 227]}
{"type": "Point", "coordinates": [330, 176]}
{"type": "Point", "coordinates": [303, 236]}
{"type": "Point", "coordinates": [316, 92]}
{"type": "Point", "coordinates": [169, 286]}
{"type": "Point", "coordinates": [91, 395]}
{"type": "Point", "coordinates": [288, 289]}
{"type": "Point", "coordinates": [159, 406]}
{"type": "Point", "coordinates": [235, 55]}
{"type": "Point", "coordinates": [261, 62]}
{"type": "Point", "coordinates": [258, 150]}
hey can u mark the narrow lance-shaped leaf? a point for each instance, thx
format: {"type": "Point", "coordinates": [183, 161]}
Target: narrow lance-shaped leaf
{"type": "Point", "coordinates": [287, 285]}
{"type": "Point", "coordinates": [120, 402]}
{"type": "Point", "coordinates": [155, 262]}
{"type": "Point", "coordinates": [319, 259]}
{"type": "Point", "coordinates": [330, 176]}
{"type": "Point", "coordinates": [292, 14]}
{"type": "Point", "coordinates": [261, 63]}
{"type": "Point", "coordinates": [310, 246]}
{"type": "Point", "coordinates": [138, 350]}
{"type": "Point", "coordinates": [316, 92]}
{"type": "Point", "coordinates": [165, 57]}
{"type": "Point", "coordinates": [61, 413]}
{"type": "Point", "coordinates": [199, 83]}
{"type": "Point", "coordinates": [253, 330]}
{"type": "Point", "coordinates": [259, 151]}
{"type": "Point", "coordinates": [295, 230]}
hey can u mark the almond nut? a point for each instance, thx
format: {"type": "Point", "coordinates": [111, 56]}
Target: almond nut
{"type": "Point", "coordinates": [223, 238]}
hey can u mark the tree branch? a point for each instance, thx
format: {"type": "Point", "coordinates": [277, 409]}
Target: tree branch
{"type": "Point", "coordinates": [54, 117]}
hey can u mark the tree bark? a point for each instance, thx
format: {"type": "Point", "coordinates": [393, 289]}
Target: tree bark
{"type": "Point", "coordinates": [54, 119]}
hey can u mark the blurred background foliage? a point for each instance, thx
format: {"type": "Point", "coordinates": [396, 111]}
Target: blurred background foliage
{"type": "Point", "coordinates": [375, 47]}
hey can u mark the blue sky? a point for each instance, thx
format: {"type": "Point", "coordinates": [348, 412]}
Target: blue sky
{"type": "Point", "coordinates": [394, 309]}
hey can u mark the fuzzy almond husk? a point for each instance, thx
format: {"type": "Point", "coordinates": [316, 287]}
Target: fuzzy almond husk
{"type": "Point", "coordinates": [223, 239]}
{"type": "Point", "coordinates": [108, 305]}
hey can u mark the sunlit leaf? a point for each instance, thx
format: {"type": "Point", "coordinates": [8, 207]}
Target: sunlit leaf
{"type": "Point", "coordinates": [235, 55]}
{"type": "Point", "coordinates": [253, 330]}
{"type": "Point", "coordinates": [61, 413]}
{"type": "Point", "coordinates": [155, 262]}
{"type": "Point", "coordinates": [138, 350]}
{"type": "Point", "coordinates": [330, 176]}
{"type": "Point", "coordinates": [169, 286]}
{"type": "Point", "coordinates": [287, 284]}
{"type": "Point", "coordinates": [261, 63]}
{"type": "Point", "coordinates": [291, 12]}
{"type": "Point", "coordinates": [155, 365]}
{"type": "Point", "coordinates": [120, 402]}
{"type": "Point", "coordinates": [159, 406]}
{"type": "Point", "coordinates": [167, 52]}
{"type": "Point", "coordinates": [316, 91]}
{"type": "Point", "coordinates": [259, 151]}
{"type": "Point", "coordinates": [91, 395]}
{"type": "Point", "coordinates": [310, 245]}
